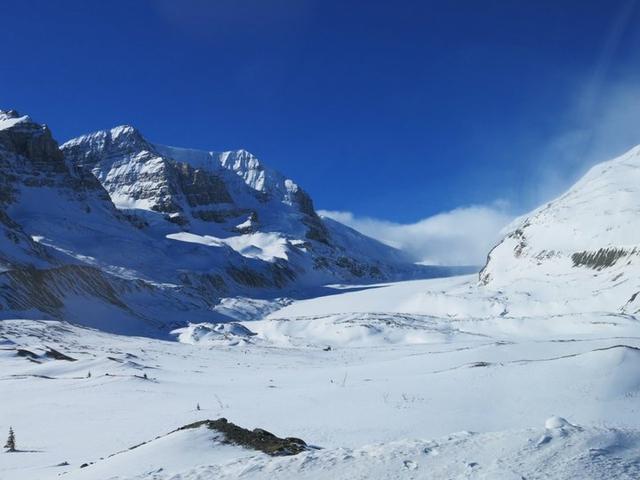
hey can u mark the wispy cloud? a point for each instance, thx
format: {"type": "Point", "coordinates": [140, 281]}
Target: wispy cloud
{"type": "Point", "coordinates": [462, 236]}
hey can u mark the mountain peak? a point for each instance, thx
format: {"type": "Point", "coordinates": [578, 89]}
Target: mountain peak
{"type": "Point", "coordinates": [9, 118]}
{"type": "Point", "coordinates": [116, 135]}
{"type": "Point", "coordinates": [12, 119]}
{"type": "Point", "coordinates": [124, 130]}
{"type": "Point", "coordinates": [21, 135]}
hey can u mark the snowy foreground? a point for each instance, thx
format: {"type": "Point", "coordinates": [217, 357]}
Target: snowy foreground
{"type": "Point", "coordinates": [403, 392]}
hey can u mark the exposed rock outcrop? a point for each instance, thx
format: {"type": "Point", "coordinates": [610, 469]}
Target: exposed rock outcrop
{"type": "Point", "coordinates": [256, 439]}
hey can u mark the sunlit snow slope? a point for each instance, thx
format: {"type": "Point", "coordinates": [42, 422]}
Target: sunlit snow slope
{"type": "Point", "coordinates": [581, 251]}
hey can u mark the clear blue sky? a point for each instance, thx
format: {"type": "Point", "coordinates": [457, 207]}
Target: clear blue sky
{"type": "Point", "coordinates": [395, 109]}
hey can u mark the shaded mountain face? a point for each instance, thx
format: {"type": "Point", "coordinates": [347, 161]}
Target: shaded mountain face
{"type": "Point", "coordinates": [583, 246]}
{"type": "Point", "coordinates": [34, 172]}
{"type": "Point", "coordinates": [113, 231]}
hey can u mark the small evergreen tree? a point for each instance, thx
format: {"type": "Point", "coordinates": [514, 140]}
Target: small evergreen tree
{"type": "Point", "coordinates": [11, 441]}
{"type": "Point", "coordinates": [198, 407]}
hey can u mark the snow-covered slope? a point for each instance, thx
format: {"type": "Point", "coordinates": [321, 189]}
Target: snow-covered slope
{"type": "Point", "coordinates": [561, 452]}
{"type": "Point", "coordinates": [582, 248]}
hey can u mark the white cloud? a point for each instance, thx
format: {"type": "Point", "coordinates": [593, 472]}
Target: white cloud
{"type": "Point", "coordinates": [462, 236]}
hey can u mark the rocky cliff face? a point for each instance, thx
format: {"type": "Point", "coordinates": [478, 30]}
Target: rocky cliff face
{"type": "Point", "coordinates": [113, 231]}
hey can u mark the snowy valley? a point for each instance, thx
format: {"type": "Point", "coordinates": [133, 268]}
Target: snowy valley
{"type": "Point", "coordinates": [148, 288]}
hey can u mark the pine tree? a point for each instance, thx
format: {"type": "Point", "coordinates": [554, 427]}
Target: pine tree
{"type": "Point", "coordinates": [11, 441]}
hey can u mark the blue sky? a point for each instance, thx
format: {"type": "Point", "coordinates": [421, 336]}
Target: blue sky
{"type": "Point", "coordinates": [394, 111]}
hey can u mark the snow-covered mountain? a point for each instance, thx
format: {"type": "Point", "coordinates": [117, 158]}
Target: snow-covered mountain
{"type": "Point", "coordinates": [580, 251]}
{"type": "Point", "coordinates": [195, 189]}
{"type": "Point", "coordinates": [113, 231]}
{"type": "Point", "coordinates": [230, 199]}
